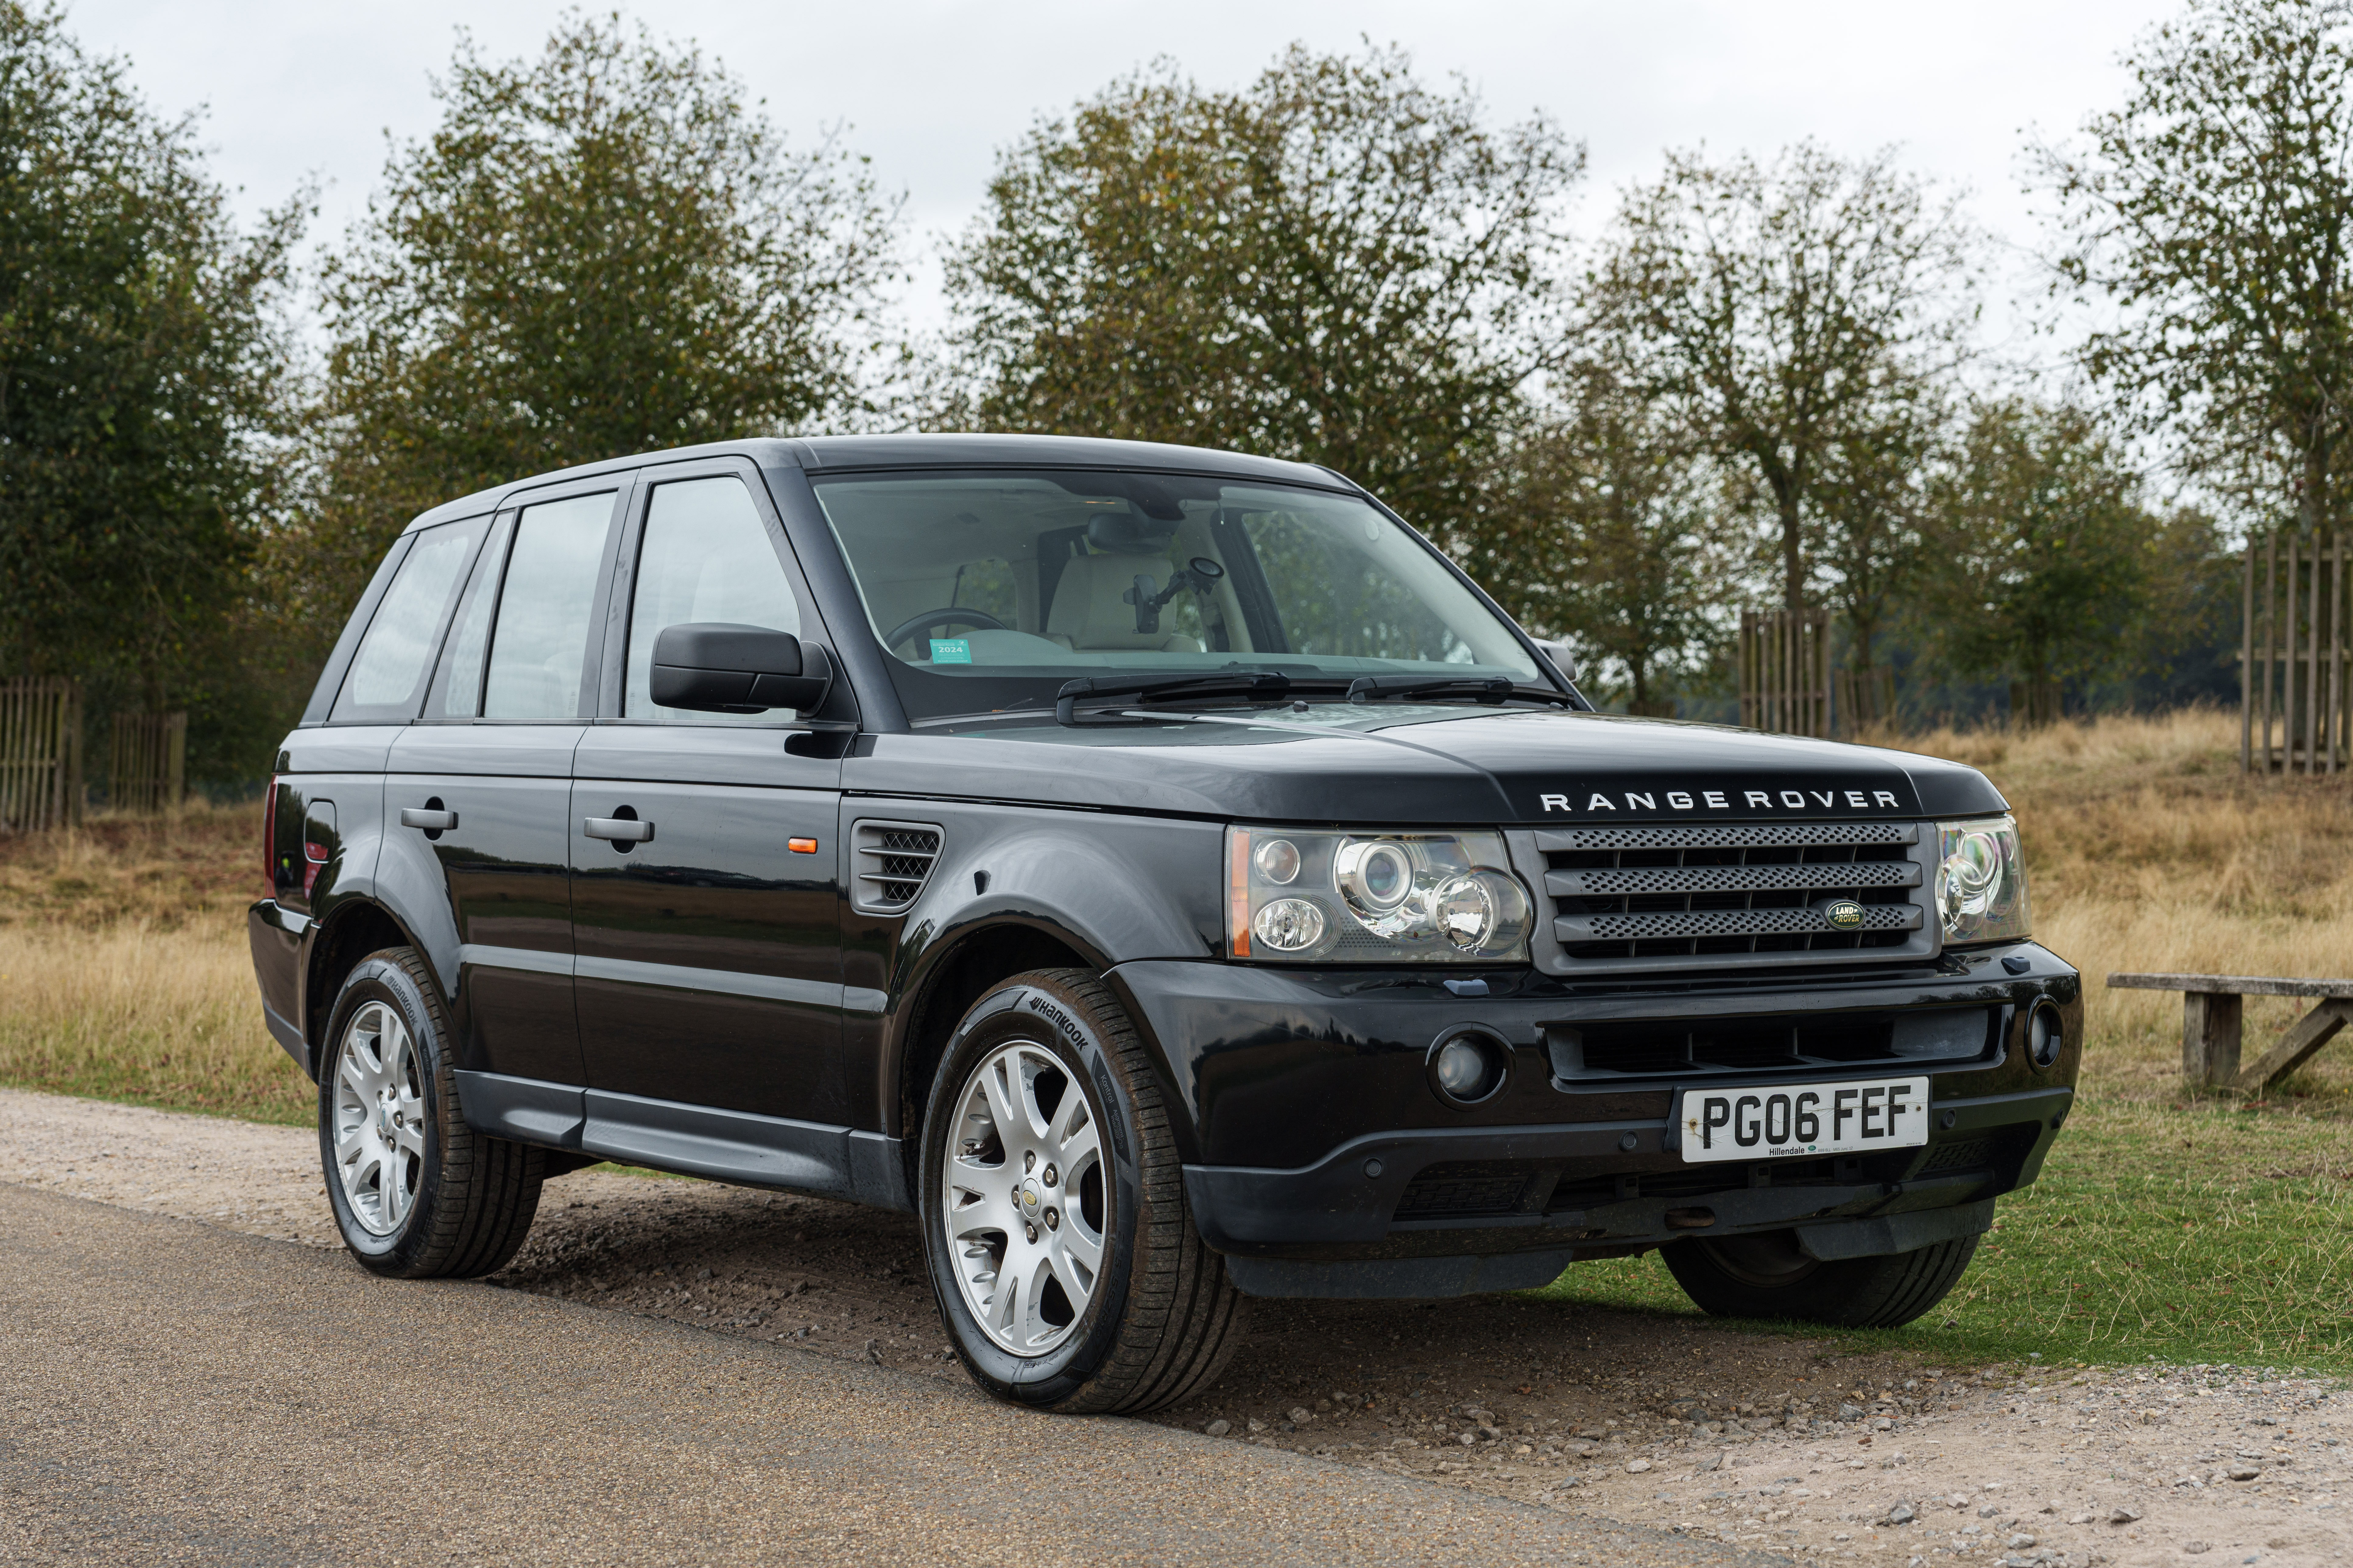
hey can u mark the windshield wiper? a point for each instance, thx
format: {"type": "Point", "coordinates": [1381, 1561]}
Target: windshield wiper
{"type": "Point", "coordinates": [1489, 689]}
{"type": "Point", "coordinates": [1266, 685]}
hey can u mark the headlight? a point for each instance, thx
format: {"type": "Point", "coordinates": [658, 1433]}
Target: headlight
{"type": "Point", "coordinates": [1981, 881]}
{"type": "Point", "coordinates": [1373, 898]}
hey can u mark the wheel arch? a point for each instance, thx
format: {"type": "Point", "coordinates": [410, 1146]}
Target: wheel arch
{"type": "Point", "coordinates": [955, 974]}
{"type": "Point", "coordinates": [354, 928]}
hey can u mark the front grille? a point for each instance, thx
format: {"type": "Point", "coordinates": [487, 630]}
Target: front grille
{"type": "Point", "coordinates": [893, 860]}
{"type": "Point", "coordinates": [1664, 896]}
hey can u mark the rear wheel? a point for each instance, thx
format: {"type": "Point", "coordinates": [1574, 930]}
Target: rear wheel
{"type": "Point", "coordinates": [416, 1193]}
{"type": "Point", "coordinates": [1769, 1276]}
{"type": "Point", "coordinates": [1066, 1264]}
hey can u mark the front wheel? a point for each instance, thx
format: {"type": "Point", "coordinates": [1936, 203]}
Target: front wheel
{"type": "Point", "coordinates": [1064, 1259]}
{"type": "Point", "coordinates": [416, 1193]}
{"type": "Point", "coordinates": [1769, 1275]}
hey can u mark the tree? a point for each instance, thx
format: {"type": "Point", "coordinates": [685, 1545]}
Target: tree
{"type": "Point", "coordinates": [1868, 494]}
{"type": "Point", "coordinates": [1337, 265]}
{"type": "Point", "coordinates": [1782, 310]}
{"type": "Point", "coordinates": [601, 251]}
{"type": "Point", "coordinates": [2213, 213]}
{"type": "Point", "coordinates": [2042, 549]}
{"type": "Point", "coordinates": [1616, 542]}
{"type": "Point", "coordinates": [139, 361]}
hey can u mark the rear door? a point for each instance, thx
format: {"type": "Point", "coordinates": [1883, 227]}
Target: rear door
{"type": "Point", "coordinates": [708, 950]}
{"type": "Point", "coordinates": [479, 793]}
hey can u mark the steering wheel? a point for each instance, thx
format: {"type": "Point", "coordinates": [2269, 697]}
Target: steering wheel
{"type": "Point", "coordinates": [947, 618]}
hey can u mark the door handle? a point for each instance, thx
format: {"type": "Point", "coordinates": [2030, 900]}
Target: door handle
{"type": "Point", "coordinates": [429, 818]}
{"type": "Point", "coordinates": [618, 829]}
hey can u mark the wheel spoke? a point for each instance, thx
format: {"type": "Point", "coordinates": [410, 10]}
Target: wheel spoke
{"type": "Point", "coordinates": [1073, 1245]}
{"type": "Point", "coordinates": [1026, 1068]}
{"type": "Point", "coordinates": [1075, 1136]}
{"type": "Point", "coordinates": [411, 1138]}
{"type": "Point", "coordinates": [1010, 1122]}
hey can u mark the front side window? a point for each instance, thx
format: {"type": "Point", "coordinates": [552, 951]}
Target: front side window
{"type": "Point", "coordinates": [707, 556]}
{"type": "Point", "coordinates": [539, 645]}
{"type": "Point", "coordinates": [390, 667]}
{"type": "Point", "coordinates": [991, 589]}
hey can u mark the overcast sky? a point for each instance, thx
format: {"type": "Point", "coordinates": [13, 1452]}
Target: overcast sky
{"type": "Point", "coordinates": [931, 89]}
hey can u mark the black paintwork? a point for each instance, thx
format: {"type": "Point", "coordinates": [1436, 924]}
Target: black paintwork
{"type": "Point", "coordinates": [713, 1001]}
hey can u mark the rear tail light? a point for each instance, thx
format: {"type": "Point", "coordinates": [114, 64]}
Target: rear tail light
{"type": "Point", "coordinates": [269, 840]}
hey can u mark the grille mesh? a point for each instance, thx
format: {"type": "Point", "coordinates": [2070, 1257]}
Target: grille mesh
{"type": "Point", "coordinates": [1741, 890]}
{"type": "Point", "coordinates": [1726, 922]}
{"type": "Point", "coordinates": [1763, 835]}
{"type": "Point", "coordinates": [894, 860]}
{"type": "Point", "coordinates": [1734, 879]}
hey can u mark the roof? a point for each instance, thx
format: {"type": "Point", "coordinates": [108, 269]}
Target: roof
{"type": "Point", "coordinates": [819, 454]}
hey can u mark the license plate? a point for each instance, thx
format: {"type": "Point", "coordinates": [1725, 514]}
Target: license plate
{"type": "Point", "coordinates": [1773, 1121]}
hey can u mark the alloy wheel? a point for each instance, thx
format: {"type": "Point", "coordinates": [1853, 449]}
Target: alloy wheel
{"type": "Point", "coordinates": [379, 1118]}
{"type": "Point", "coordinates": [1025, 1198]}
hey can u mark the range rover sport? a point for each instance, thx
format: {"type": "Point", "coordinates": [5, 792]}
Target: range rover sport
{"type": "Point", "coordinates": [1160, 871]}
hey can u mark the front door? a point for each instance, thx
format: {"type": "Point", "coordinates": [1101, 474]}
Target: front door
{"type": "Point", "coordinates": [706, 904]}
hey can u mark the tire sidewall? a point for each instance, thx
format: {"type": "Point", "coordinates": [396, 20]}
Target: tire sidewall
{"type": "Point", "coordinates": [379, 978]}
{"type": "Point", "coordinates": [1063, 1025]}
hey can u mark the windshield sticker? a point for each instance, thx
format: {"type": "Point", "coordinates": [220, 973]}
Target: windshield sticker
{"type": "Point", "coordinates": [951, 650]}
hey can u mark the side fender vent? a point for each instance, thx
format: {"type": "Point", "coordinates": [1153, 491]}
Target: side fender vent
{"type": "Point", "coordinates": [891, 861]}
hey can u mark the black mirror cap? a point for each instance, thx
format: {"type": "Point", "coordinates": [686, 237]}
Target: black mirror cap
{"type": "Point", "coordinates": [1563, 658]}
{"type": "Point", "coordinates": [715, 666]}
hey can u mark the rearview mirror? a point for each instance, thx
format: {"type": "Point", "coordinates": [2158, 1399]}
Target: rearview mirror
{"type": "Point", "coordinates": [1563, 659]}
{"type": "Point", "coordinates": [713, 666]}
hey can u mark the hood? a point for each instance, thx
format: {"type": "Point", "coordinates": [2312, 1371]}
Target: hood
{"type": "Point", "coordinates": [1382, 765]}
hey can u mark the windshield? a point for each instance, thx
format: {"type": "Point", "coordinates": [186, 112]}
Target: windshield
{"type": "Point", "coordinates": [992, 589]}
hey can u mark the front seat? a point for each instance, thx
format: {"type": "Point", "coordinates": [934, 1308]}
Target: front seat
{"type": "Point", "coordinates": [1090, 613]}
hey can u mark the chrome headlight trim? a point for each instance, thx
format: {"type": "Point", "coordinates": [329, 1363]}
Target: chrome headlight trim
{"type": "Point", "coordinates": [1980, 892]}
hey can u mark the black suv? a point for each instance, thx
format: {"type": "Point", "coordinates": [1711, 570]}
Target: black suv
{"type": "Point", "coordinates": [1161, 871]}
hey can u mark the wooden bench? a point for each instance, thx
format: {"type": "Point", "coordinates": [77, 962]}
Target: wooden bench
{"type": "Point", "coordinates": [2212, 1012]}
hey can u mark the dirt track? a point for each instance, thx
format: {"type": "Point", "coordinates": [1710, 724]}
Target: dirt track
{"type": "Point", "coordinates": [1786, 1445]}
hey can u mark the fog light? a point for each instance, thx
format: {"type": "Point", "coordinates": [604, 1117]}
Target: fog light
{"type": "Point", "coordinates": [1289, 925]}
{"type": "Point", "coordinates": [2046, 1034]}
{"type": "Point", "coordinates": [1467, 1067]}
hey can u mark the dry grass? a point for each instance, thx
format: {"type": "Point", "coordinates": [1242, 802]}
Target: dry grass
{"type": "Point", "coordinates": [2149, 850]}
{"type": "Point", "coordinates": [124, 973]}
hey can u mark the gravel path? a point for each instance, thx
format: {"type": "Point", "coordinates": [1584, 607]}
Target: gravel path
{"type": "Point", "coordinates": [1790, 1446]}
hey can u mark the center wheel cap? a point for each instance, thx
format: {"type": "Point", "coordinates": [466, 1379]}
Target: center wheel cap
{"type": "Point", "coordinates": [1028, 1196]}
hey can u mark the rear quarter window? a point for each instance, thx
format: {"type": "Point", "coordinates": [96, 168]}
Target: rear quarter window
{"type": "Point", "coordinates": [386, 681]}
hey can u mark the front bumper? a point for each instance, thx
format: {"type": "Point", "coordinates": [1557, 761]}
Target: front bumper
{"type": "Point", "coordinates": [1323, 1078]}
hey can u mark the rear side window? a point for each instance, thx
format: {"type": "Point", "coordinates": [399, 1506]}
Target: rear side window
{"type": "Point", "coordinates": [457, 691]}
{"type": "Point", "coordinates": [539, 645]}
{"type": "Point", "coordinates": [387, 673]}
{"type": "Point", "coordinates": [707, 556]}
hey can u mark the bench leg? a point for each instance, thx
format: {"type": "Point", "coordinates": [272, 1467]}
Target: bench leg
{"type": "Point", "coordinates": [2295, 1048]}
{"type": "Point", "coordinates": [2211, 1029]}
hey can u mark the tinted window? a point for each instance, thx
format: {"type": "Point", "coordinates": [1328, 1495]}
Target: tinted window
{"type": "Point", "coordinates": [991, 589]}
{"type": "Point", "coordinates": [387, 674]}
{"type": "Point", "coordinates": [458, 693]}
{"type": "Point", "coordinates": [539, 650]}
{"type": "Point", "coordinates": [707, 556]}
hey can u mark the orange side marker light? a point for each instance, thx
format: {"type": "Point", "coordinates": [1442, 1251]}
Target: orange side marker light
{"type": "Point", "coordinates": [802, 845]}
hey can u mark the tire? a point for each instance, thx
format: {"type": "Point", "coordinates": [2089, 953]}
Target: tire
{"type": "Point", "coordinates": [1154, 1318]}
{"type": "Point", "coordinates": [418, 1193]}
{"type": "Point", "coordinates": [1768, 1276]}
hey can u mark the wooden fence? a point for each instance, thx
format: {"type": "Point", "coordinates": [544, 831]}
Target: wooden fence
{"type": "Point", "coordinates": [1785, 672]}
{"type": "Point", "coordinates": [2294, 714]}
{"type": "Point", "coordinates": [1866, 698]}
{"type": "Point", "coordinates": [40, 753]}
{"type": "Point", "coordinates": [147, 766]}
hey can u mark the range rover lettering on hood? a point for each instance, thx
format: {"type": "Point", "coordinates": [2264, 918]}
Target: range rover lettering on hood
{"type": "Point", "coordinates": [1814, 797]}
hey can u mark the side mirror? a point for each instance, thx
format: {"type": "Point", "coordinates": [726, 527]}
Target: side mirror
{"type": "Point", "coordinates": [1563, 659]}
{"type": "Point", "coordinates": [711, 666]}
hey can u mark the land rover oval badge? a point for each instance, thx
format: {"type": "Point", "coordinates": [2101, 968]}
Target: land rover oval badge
{"type": "Point", "coordinates": [1845, 914]}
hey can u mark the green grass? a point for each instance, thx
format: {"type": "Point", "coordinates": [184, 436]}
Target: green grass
{"type": "Point", "coordinates": [2189, 1233]}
